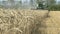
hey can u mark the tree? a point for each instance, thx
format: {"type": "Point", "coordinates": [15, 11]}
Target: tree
{"type": "Point", "coordinates": [31, 2]}
{"type": "Point", "coordinates": [50, 3]}
{"type": "Point", "coordinates": [39, 4]}
{"type": "Point", "coordinates": [11, 3]}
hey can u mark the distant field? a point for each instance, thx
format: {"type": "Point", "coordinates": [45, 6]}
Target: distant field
{"type": "Point", "coordinates": [29, 22]}
{"type": "Point", "coordinates": [53, 23]}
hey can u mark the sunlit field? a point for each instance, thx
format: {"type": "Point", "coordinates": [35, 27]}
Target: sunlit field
{"type": "Point", "coordinates": [53, 23]}
{"type": "Point", "coordinates": [29, 21]}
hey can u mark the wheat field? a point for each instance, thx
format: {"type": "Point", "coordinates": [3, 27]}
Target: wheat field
{"type": "Point", "coordinates": [29, 21]}
{"type": "Point", "coordinates": [53, 23]}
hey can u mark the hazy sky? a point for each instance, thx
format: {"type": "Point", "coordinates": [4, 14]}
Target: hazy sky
{"type": "Point", "coordinates": [58, 0]}
{"type": "Point", "coordinates": [24, 0]}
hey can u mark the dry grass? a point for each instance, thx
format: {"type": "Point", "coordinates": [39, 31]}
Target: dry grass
{"type": "Point", "coordinates": [29, 22]}
{"type": "Point", "coordinates": [21, 21]}
{"type": "Point", "coordinates": [53, 23]}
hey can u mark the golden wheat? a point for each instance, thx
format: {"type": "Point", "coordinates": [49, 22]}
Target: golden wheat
{"type": "Point", "coordinates": [20, 21]}
{"type": "Point", "coordinates": [29, 21]}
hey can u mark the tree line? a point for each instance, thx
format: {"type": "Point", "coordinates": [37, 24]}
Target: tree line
{"type": "Point", "coordinates": [39, 4]}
